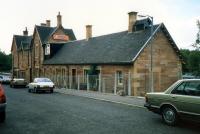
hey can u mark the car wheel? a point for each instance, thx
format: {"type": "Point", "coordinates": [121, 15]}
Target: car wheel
{"type": "Point", "coordinates": [2, 116]}
{"type": "Point", "coordinates": [29, 90]}
{"type": "Point", "coordinates": [169, 116]}
{"type": "Point", "coordinates": [51, 91]}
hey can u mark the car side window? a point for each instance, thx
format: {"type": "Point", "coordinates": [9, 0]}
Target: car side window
{"type": "Point", "coordinates": [193, 88]}
{"type": "Point", "coordinates": [180, 89]}
{"type": "Point", "coordinates": [35, 81]}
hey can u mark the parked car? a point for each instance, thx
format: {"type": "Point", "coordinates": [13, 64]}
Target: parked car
{"type": "Point", "coordinates": [1, 79]}
{"type": "Point", "coordinates": [16, 82]}
{"type": "Point", "coordinates": [41, 84]}
{"type": "Point", "coordinates": [180, 101]}
{"type": "Point", "coordinates": [2, 104]}
{"type": "Point", "coordinates": [5, 79]}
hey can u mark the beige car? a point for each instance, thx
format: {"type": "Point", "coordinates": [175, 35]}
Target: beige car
{"type": "Point", "coordinates": [18, 82]}
{"type": "Point", "coordinates": [179, 101]}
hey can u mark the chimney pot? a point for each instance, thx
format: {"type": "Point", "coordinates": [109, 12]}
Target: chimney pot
{"type": "Point", "coordinates": [48, 23]}
{"type": "Point", "coordinates": [59, 20]}
{"type": "Point", "coordinates": [25, 32]}
{"type": "Point", "coordinates": [132, 20]}
{"type": "Point", "coordinates": [88, 32]}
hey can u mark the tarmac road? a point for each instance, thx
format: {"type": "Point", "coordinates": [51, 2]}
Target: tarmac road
{"type": "Point", "coordinates": [45, 113]}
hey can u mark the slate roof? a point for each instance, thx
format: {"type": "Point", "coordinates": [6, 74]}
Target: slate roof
{"type": "Point", "coordinates": [23, 41]}
{"type": "Point", "coordinates": [116, 48]}
{"type": "Point", "coordinates": [45, 32]}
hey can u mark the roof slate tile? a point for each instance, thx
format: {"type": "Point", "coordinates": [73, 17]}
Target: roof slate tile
{"type": "Point", "coordinates": [116, 48]}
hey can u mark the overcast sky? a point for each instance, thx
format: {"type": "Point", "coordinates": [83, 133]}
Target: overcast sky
{"type": "Point", "coordinates": [106, 16]}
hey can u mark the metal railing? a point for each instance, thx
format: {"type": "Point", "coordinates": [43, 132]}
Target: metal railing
{"type": "Point", "coordinates": [98, 83]}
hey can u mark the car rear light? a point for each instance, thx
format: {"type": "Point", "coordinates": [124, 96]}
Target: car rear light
{"type": "Point", "coordinates": [2, 95]}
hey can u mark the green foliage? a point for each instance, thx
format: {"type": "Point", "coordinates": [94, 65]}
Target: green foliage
{"type": "Point", "coordinates": [191, 61]}
{"type": "Point", "coordinates": [194, 62]}
{"type": "Point", "coordinates": [93, 70]}
{"type": "Point", "coordinates": [196, 45]}
{"type": "Point", "coordinates": [93, 76]}
{"type": "Point", "coordinates": [5, 62]}
{"type": "Point", "coordinates": [185, 53]}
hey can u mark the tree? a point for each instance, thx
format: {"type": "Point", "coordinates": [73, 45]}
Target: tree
{"type": "Point", "coordinates": [196, 45]}
{"type": "Point", "coordinates": [191, 61]}
{"type": "Point", "coordinates": [185, 54]}
{"type": "Point", "coordinates": [5, 62]}
{"type": "Point", "coordinates": [194, 62]}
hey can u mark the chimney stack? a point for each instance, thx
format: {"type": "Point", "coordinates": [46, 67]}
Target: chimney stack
{"type": "Point", "coordinates": [88, 32]}
{"type": "Point", "coordinates": [132, 20]}
{"type": "Point", "coordinates": [59, 20]}
{"type": "Point", "coordinates": [25, 32]}
{"type": "Point", "coordinates": [48, 23]}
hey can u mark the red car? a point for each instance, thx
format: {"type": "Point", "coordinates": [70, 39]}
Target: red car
{"type": "Point", "coordinates": [2, 104]}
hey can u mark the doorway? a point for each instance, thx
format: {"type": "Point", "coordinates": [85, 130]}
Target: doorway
{"type": "Point", "coordinates": [73, 79]}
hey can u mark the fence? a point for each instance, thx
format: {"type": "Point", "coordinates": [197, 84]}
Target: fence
{"type": "Point", "coordinates": [101, 83]}
{"type": "Point", "coordinates": [117, 83]}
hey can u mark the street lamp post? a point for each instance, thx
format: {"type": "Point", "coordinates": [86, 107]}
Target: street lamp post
{"type": "Point", "coordinates": [151, 83]}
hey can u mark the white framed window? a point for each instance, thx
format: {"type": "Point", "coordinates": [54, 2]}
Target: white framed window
{"type": "Point", "coordinates": [119, 78]}
{"type": "Point", "coordinates": [63, 73]}
{"type": "Point", "coordinates": [85, 73]}
{"type": "Point", "coordinates": [36, 51]}
{"type": "Point", "coordinates": [47, 49]}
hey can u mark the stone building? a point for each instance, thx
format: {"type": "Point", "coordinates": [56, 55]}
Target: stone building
{"type": "Point", "coordinates": [118, 61]}
{"type": "Point", "coordinates": [21, 55]}
{"type": "Point", "coordinates": [46, 34]}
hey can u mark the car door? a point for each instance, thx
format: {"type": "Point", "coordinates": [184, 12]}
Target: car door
{"type": "Point", "coordinates": [32, 84]}
{"type": "Point", "coordinates": [186, 98]}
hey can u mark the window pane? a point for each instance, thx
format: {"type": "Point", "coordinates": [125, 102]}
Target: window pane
{"type": "Point", "coordinates": [85, 75]}
{"type": "Point", "coordinates": [47, 49]}
{"type": "Point", "coordinates": [180, 89]}
{"type": "Point", "coordinates": [193, 88]}
{"type": "Point", "coordinates": [119, 78]}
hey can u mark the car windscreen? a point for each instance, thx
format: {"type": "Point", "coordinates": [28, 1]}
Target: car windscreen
{"type": "Point", "coordinates": [43, 80]}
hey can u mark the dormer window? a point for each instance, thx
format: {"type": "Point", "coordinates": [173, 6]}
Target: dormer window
{"type": "Point", "coordinates": [142, 24]}
{"type": "Point", "coordinates": [47, 49]}
{"type": "Point", "coordinates": [139, 27]}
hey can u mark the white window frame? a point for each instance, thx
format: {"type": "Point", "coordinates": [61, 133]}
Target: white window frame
{"type": "Point", "coordinates": [47, 49]}
{"type": "Point", "coordinates": [119, 77]}
{"type": "Point", "coordinates": [85, 73]}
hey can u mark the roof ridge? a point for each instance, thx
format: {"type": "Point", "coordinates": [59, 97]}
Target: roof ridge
{"type": "Point", "coordinates": [147, 42]}
{"type": "Point", "coordinates": [104, 35]}
{"type": "Point", "coordinates": [23, 35]}
{"type": "Point", "coordinates": [44, 26]}
{"type": "Point", "coordinates": [119, 32]}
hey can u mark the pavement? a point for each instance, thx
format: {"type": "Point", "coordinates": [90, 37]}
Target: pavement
{"type": "Point", "coordinates": [126, 100]}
